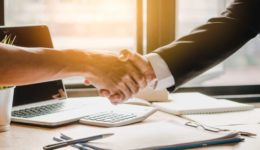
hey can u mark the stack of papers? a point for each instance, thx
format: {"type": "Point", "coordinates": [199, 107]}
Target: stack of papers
{"type": "Point", "coordinates": [154, 135]}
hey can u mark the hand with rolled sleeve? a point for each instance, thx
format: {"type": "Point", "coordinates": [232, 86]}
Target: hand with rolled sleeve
{"type": "Point", "coordinates": [104, 69]}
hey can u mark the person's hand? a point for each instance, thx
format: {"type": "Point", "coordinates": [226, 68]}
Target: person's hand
{"type": "Point", "coordinates": [140, 62]}
{"type": "Point", "coordinates": [120, 78]}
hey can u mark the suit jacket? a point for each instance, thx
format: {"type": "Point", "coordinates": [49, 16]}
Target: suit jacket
{"type": "Point", "coordinates": [212, 42]}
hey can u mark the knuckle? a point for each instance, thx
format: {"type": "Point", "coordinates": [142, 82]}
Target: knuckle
{"type": "Point", "coordinates": [140, 83]}
{"type": "Point", "coordinates": [145, 83]}
{"type": "Point", "coordinates": [125, 77]}
{"type": "Point", "coordinates": [119, 85]}
{"type": "Point", "coordinates": [140, 77]}
{"type": "Point", "coordinates": [127, 93]}
{"type": "Point", "coordinates": [136, 89]}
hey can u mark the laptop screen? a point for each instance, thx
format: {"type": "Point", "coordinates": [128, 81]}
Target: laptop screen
{"type": "Point", "coordinates": [33, 36]}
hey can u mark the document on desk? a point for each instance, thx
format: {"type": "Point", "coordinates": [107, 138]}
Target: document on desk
{"type": "Point", "coordinates": [155, 135]}
{"type": "Point", "coordinates": [229, 118]}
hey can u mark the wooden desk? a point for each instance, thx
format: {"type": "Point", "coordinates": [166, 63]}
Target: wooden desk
{"type": "Point", "coordinates": [25, 137]}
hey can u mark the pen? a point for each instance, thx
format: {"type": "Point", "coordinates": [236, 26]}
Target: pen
{"type": "Point", "coordinates": [65, 137]}
{"type": "Point", "coordinates": [202, 144]}
{"type": "Point", "coordinates": [76, 141]}
{"type": "Point", "coordinates": [78, 146]}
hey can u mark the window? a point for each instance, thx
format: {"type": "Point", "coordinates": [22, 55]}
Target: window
{"type": "Point", "coordinates": [84, 24]}
{"type": "Point", "coordinates": [242, 68]}
{"type": "Point", "coordinates": [111, 25]}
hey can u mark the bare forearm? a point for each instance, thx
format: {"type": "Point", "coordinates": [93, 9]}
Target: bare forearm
{"type": "Point", "coordinates": [21, 66]}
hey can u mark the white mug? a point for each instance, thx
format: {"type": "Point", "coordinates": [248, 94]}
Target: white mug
{"type": "Point", "coordinates": [6, 102]}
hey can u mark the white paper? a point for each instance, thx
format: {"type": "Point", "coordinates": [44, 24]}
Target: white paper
{"type": "Point", "coordinates": [148, 135]}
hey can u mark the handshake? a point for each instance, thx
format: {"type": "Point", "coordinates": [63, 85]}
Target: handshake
{"type": "Point", "coordinates": [119, 77]}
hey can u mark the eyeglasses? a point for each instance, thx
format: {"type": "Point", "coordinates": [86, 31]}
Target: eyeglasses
{"type": "Point", "coordinates": [215, 129]}
{"type": "Point", "coordinates": [205, 127]}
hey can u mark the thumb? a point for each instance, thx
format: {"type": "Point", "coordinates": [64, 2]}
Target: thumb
{"type": "Point", "coordinates": [138, 60]}
{"type": "Point", "coordinates": [87, 82]}
{"type": "Point", "coordinates": [124, 55]}
{"type": "Point", "coordinates": [104, 93]}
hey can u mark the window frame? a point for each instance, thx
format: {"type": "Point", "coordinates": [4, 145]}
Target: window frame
{"type": "Point", "coordinates": [2, 13]}
{"type": "Point", "coordinates": [161, 28]}
{"type": "Point", "coordinates": [161, 23]}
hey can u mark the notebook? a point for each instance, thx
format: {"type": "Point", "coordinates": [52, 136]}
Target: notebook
{"type": "Point", "coordinates": [228, 119]}
{"type": "Point", "coordinates": [197, 103]}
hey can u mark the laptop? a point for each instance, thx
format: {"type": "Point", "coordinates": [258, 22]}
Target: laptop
{"type": "Point", "coordinates": [44, 104]}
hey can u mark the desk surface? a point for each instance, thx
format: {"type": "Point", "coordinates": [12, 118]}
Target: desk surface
{"type": "Point", "coordinates": [25, 137]}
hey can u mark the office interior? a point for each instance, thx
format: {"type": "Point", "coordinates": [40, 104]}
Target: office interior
{"type": "Point", "coordinates": [141, 26]}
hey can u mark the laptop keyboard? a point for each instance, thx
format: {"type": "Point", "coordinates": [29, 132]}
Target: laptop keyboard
{"type": "Point", "coordinates": [38, 111]}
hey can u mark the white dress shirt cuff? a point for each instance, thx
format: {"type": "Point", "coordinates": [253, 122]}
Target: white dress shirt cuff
{"type": "Point", "coordinates": [163, 74]}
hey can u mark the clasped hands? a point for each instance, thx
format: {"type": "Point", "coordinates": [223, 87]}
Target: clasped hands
{"type": "Point", "coordinates": [119, 77]}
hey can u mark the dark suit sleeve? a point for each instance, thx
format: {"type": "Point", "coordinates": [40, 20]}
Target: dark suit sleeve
{"type": "Point", "coordinates": [212, 42]}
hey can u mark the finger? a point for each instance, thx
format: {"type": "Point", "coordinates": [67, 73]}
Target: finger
{"type": "Point", "coordinates": [87, 82]}
{"type": "Point", "coordinates": [141, 63]}
{"type": "Point", "coordinates": [144, 65]}
{"type": "Point", "coordinates": [136, 76]}
{"type": "Point", "coordinates": [124, 54]}
{"type": "Point", "coordinates": [126, 92]}
{"type": "Point", "coordinates": [104, 93]}
{"type": "Point", "coordinates": [112, 96]}
{"type": "Point", "coordinates": [137, 59]}
{"type": "Point", "coordinates": [150, 77]}
{"type": "Point", "coordinates": [139, 78]}
{"type": "Point", "coordinates": [116, 98]}
{"type": "Point", "coordinates": [132, 85]}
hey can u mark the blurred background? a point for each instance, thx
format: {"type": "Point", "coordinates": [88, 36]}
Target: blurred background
{"type": "Point", "coordinates": [112, 25]}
